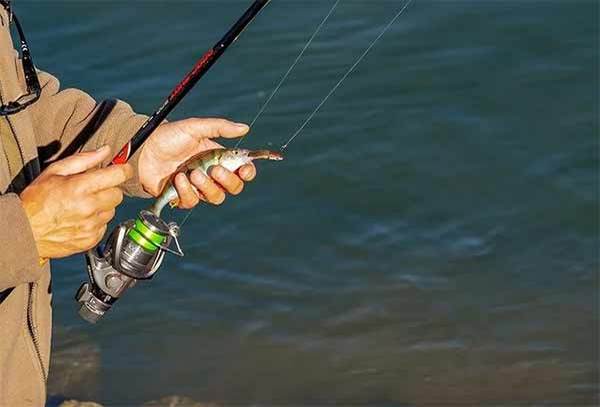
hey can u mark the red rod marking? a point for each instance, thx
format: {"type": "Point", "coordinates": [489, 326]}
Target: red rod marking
{"type": "Point", "coordinates": [123, 155]}
{"type": "Point", "coordinates": [199, 65]}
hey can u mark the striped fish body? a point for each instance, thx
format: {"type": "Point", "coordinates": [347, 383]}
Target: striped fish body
{"type": "Point", "coordinates": [230, 159]}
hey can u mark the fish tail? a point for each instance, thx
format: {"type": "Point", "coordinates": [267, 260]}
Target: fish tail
{"type": "Point", "coordinates": [163, 200]}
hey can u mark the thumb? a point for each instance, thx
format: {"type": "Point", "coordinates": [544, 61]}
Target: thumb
{"type": "Point", "coordinates": [212, 128]}
{"type": "Point", "coordinates": [80, 162]}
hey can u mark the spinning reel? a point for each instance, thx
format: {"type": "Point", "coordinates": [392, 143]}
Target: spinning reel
{"type": "Point", "coordinates": [134, 251]}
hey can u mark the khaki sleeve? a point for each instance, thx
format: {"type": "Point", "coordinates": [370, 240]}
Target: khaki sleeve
{"type": "Point", "coordinates": [60, 117]}
{"type": "Point", "coordinates": [19, 259]}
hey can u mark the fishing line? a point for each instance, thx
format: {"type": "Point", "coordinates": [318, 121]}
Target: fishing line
{"type": "Point", "coordinates": [279, 85]}
{"type": "Point", "coordinates": [291, 68]}
{"type": "Point", "coordinates": [337, 85]}
{"type": "Point", "coordinates": [187, 216]}
{"type": "Point", "coordinates": [352, 68]}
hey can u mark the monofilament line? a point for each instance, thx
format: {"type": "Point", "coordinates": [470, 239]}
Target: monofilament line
{"type": "Point", "coordinates": [281, 82]}
{"type": "Point", "coordinates": [352, 68]}
{"type": "Point", "coordinates": [187, 217]}
{"type": "Point", "coordinates": [291, 68]}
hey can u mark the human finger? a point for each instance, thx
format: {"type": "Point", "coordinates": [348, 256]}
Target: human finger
{"type": "Point", "coordinates": [107, 199]}
{"type": "Point", "coordinates": [212, 128]}
{"type": "Point", "coordinates": [227, 179]}
{"type": "Point", "coordinates": [104, 178]}
{"type": "Point", "coordinates": [188, 197]}
{"type": "Point", "coordinates": [213, 193]}
{"type": "Point", "coordinates": [103, 217]}
{"type": "Point", "coordinates": [247, 172]}
{"type": "Point", "coordinates": [80, 162]}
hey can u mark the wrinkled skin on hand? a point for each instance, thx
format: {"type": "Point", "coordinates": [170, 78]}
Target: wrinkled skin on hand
{"type": "Point", "coordinates": [71, 202]}
{"type": "Point", "coordinates": [173, 143]}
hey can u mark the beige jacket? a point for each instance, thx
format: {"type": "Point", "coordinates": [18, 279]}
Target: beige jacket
{"type": "Point", "coordinates": [31, 138]}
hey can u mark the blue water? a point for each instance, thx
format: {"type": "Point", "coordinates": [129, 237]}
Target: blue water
{"type": "Point", "coordinates": [431, 238]}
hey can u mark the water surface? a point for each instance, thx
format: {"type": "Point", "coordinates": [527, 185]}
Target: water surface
{"type": "Point", "coordinates": [432, 236]}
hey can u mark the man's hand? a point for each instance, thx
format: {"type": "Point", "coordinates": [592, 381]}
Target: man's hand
{"type": "Point", "coordinates": [173, 143]}
{"type": "Point", "coordinates": [70, 203]}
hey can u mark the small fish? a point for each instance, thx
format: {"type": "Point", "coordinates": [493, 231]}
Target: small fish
{"type": "Point", "coordinates": [231, 159]}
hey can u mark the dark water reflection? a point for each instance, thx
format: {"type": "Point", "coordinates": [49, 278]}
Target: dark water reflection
{"type": "Point", "coordinates": [432, 237]}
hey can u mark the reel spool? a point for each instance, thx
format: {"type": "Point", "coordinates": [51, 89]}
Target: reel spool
{"type": "Point", "coordinates": [134, 251]}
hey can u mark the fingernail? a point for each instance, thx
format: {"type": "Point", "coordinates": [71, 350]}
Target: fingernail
{"type": "Point", "coordinates": [103, 148]}
{"type": "Point", "coordinates": [242, 126]}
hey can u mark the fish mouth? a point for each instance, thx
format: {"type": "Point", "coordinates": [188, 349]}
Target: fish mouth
{"type": "Point", "coordinates": [265, 155]}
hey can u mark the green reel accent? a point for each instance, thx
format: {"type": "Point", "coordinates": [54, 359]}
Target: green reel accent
{"type": "Point", "coordinates": [146, 238]}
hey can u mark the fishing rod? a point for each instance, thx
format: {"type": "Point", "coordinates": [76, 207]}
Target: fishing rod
{"type": "Point", "coordinates": [202, 66]}
{"type": "Point", "coordinates": [136, 248]}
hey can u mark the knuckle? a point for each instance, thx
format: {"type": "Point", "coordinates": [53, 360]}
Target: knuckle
{"type": "Point", "coordinates": [87, 209]}
{"type": "Point", "coordinates": [118, 196]}
{"type": "Point", "coordinates": [213, 126]}
{"type": "Point", "coordinates": [76, 187]}
{"type": "Point", "coordinates": [197, 175]}
{"type": "Point", "coordinates": [89, 229]}
{"type": "Point", "coordinates": [217, 172]}
{"type": "Point", "coordinates": [74, 183]}
{"type": "Point", "coordinates": [108, 215]}
{"type": "Point", "coordinates": [198, 178]}
{"type": "Point", "coordinates": [209, 188]}
{"type": "Point", "coordinates": [181, 181]}
{"type": "Point", "coordinates": [219, 123]}
{"type": "Point", "coordinates": [117, 176]}
{"type": "Point", "coordinates": [126, 171]}
{"type": "Point", "coordinates": [184, 192]}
